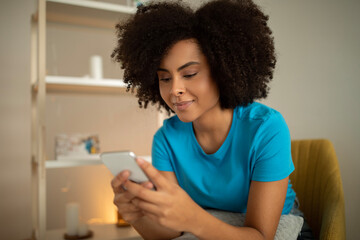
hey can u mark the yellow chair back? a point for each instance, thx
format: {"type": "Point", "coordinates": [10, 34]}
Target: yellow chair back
{"type": "Point", "coordinates": [317, 183]}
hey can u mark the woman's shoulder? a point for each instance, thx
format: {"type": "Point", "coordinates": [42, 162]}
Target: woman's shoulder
{"type": "Point", "coordinates": [256, 112]}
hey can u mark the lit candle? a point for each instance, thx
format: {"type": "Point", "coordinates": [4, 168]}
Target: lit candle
{"type": "Point", "coordinates": [72, 219]}
{"type": "Point", "coordinates": [83, 229]}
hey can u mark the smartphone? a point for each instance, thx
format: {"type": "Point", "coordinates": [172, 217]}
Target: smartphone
{"type": "Point", "coordinates": [124, 160]}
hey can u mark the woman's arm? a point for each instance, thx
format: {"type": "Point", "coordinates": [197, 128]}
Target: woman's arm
{"type": "Point", "coordinates": [149, 229]}
{"type": "Point", "coordinates": [265, 204]}
{"type": "Point", "coordinates": [172, 208]}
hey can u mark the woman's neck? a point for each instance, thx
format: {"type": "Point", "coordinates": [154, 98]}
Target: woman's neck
{"type": "Point", "coordinates": [212, 128]}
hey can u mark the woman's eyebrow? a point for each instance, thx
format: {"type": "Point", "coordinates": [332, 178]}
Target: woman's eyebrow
{"type": "Point", "coordinates": [179, 68]}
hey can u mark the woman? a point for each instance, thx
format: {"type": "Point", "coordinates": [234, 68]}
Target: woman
{"type": "Point", "coordinates": [221, 150]}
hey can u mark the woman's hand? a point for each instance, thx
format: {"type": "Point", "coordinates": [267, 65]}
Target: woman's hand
{"type": "Point", "coordinates": [170, 206]}
{"type": "Point", "coordinates": [123, 199]}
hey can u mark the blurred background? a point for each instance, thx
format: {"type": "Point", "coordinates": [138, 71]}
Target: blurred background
{"type": "Point", "coordinates": [315, 87]}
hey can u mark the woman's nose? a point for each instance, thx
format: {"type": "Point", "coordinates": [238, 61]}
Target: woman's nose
{"type": "Point", "coordinates": [178, 87]}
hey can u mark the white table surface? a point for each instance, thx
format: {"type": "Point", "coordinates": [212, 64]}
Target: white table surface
{"type": "Point", "coordinates": [100, 232]}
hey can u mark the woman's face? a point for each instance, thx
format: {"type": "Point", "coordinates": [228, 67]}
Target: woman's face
{"type": "Point", "coordinates": [185, 81]}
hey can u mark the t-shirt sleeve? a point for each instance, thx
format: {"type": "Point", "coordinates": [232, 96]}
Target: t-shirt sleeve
{"type": "Point", "coordinates": [272, 150]}
{"type": "Point", "coordinates": [160, 154]}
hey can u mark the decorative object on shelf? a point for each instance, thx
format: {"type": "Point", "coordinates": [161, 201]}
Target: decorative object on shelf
{"type": "Point", "coordinates": [72, 219]}
{"type": "Point", "coordinates": [76, 146]}
{"type": "Point", "coordinates": [96, 67]}
{"type": "Point", "coordinates": [138, 3]}
{"type": "Point", "coordinates": [75, 229]}
{"type": "Point", "coordinates": [83, 229]}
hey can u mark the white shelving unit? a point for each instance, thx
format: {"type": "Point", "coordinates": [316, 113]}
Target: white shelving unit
{"type": "Point", "coordinates": [98, 5]}
{"type": "Point", "coordinates": [40, 84]}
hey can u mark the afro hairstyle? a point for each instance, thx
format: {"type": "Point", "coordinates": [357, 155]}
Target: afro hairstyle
{"type": "Point", "coordinates": [232, 35]}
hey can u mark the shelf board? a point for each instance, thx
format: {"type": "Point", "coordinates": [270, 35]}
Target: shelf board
{"type": "Point", "coordinates": [80, 161]}
{"type": "Point", "coordinates": [69, 163]}
{"type": "Point", "coordinates": [74, 161]}
{"type": "Point", "coordinates": [77, 81]}
{"type": "Point", "coordinates": [98, 5]}
{"type": "Point", "coordinates": [61, 83]}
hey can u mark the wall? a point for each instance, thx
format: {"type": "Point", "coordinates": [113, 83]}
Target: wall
{"type": "Point", "coordinates": [15, 115]}
{"type": "Point", "coordinates": [316, 82]}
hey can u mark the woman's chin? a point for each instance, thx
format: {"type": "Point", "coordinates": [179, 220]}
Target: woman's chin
{"type": "Point", "coordinates": [185, 117]}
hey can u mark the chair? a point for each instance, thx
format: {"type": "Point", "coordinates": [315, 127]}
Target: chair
{"type": "Point", "coordinates": [317, 183]}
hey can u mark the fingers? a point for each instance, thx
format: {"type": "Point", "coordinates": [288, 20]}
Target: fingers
{"type": "Point", "coordinates": [132, 217]}
{"type": "Point", "coordinates": [124, 197]}
{"type": "Point", "coordinates": [148, 185]}
{"type": "Point", "coordinates": [130, 212]}
{"type": "Point", "coordinates": [126, 207]}
{"type": "Point", "coordinates": [118, 181]}
{"type": "Point", "coordinates": [146, 206]}
{"type": "Point", "coordinates": [155, 176]}
{"type": "Point", "coordinates": [140, 191]}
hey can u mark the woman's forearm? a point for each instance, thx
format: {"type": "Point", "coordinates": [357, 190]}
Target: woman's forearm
{"type": "Point", "coordinates": [209, 227]}
{"type": "Point", "coordinates": [149, 229]}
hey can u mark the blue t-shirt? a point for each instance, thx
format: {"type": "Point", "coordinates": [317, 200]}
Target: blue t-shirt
{"type": "Point", "coordinates": [258, 147]}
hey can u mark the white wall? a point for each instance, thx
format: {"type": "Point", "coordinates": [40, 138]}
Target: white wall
{"type": "Point", "coordinates": [15, 171]}
{"type": "Point", "coordinates": [317, 80]}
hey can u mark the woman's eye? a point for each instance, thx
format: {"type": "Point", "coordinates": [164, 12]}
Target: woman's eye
{"type": "Point", "coordinates": [190, 75]}
{"type": "Point", "coordinates": [164, 79]}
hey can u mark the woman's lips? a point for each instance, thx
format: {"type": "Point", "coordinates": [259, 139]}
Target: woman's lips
{"type": "Point", "coordinates": [182, 105]}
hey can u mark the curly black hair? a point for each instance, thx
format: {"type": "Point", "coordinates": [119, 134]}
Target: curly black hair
{"type": "Point", "coordinates": [232, 35]}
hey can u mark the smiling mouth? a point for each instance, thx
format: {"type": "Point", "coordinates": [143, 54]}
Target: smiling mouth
{"type": "Point", "coordinates": [183, 105]}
